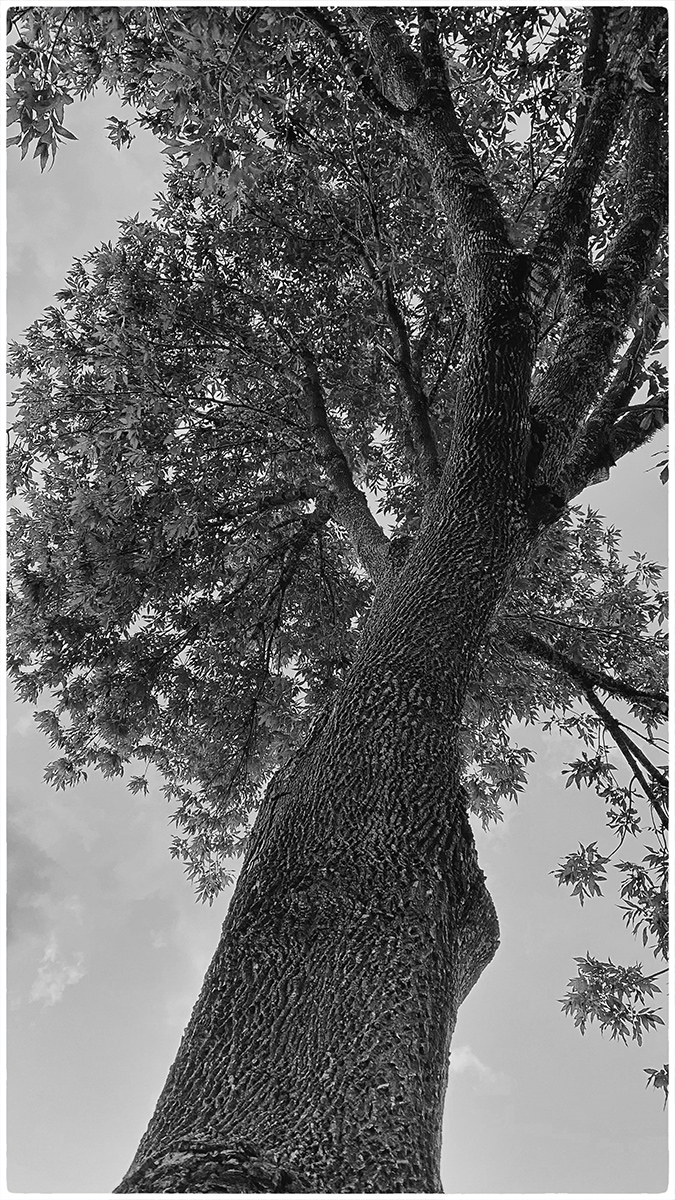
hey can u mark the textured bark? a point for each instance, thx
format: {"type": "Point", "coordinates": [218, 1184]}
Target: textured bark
{"type": "Point", "coordinates": [602, 300]}
{"type": "Point", "coordinates": [316, 1056]}
{"type": "Point", "coordinates": [477, 225]}
{"type": "Point", "coordinates": [598, 124]}
{"type": "Point", "coordinates": [360, 922]}
{"type": "Point", "coordinates": [597, 446]}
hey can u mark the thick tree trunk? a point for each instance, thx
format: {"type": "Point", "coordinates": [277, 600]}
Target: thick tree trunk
{"type": "Point", "coordinates": [316, 1056]}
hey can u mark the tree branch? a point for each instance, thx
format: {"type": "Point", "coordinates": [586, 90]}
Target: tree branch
{"type": "Point", "coordinates": [269, 503]}
{"type": "Point", "coordinates": [594, 64]}
{"type": "Point", "coordinates": [593, 452]}
{"type": "Point", "coordinates": [630, 253]}
{"type": "Point", "coordinates": [635, 429]}
{"type": "Point", "coordinates": [424, 455]}
{"type": "Point", "coordinates": [605, 298]}
{"type": "Point", "coordinates": [429, 120]}
{"type": "Point", "coordinates": [423, 440]}
{"type": "Point", "coordinates": [430, 44]}
{"type": "Point", "coordinates": [319, 18]}
{"type": "Point", "coordinates": [620, 392]}
{"type": "Point", "coordinates": [351, 507]}
{"type": "Point", "coordinates": [638, 426]}
{"type": "Point", "coordinates": [589, 151]}
{"type": "Point", "coordinates": [632, 754]}
{"type": "Point", "coordinates": [588, 680]}
{"type": "Point", "coordinates": [584, 675]}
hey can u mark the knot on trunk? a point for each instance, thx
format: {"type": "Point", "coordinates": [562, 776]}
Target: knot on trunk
{"type": "Point", "coordinates": [199, 1164]}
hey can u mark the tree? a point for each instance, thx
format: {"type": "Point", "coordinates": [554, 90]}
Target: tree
{"type": "Point", "coordinates": [390, 268]}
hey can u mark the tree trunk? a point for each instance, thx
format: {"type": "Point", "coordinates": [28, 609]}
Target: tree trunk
{"type": "Point", "coordinates": [316, 1056]}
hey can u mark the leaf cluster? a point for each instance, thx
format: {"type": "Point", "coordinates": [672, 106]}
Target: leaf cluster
{"type": "Point", "coordinates": [614, 997]}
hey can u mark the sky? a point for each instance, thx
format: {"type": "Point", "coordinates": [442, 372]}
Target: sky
{"type": "Point", "coordinates": [108, 947]}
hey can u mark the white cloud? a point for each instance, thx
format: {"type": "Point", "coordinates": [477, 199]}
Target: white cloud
{"type": "Point", "coordinates": [35, 885]}
{"type": "Point", "coordinates": [24, 724]}
{"type": "Point", "coordinates": [55, 974]}
{"type": "Point", "coordinates": [487, 1081]}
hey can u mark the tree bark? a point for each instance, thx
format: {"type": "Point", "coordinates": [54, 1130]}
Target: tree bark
{"type": "Point", "coordinates": [316, 1056]}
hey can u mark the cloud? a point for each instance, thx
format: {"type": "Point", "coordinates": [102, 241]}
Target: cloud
{"type": "Point", "coordinates": [33, 881]}
{"type": "Point", "coordinates": [25, 723]}
{"type": "Point", "coordinates": [55, 974]}
{"type": "Point", "coordinates": [486, 1081]}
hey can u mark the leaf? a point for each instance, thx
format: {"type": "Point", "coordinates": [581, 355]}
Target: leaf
{"type": "Point", "coordinates": [63, 132]}
{"type": "Point", "coordinates": [138, 783]}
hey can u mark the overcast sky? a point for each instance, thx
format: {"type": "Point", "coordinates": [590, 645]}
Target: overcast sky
{"type": "Point", "coordinates": [108, 947]}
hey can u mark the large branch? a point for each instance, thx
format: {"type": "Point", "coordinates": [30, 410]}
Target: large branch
{"type": "Point", "coordinates": [638, 426]}
{"type": "Point", "coordinates": [635, 429]}
{"type": "Point", "coordinates": [319, 18]}
{"type": "Point", "coordinates": [351, 506]}
{"type": "Point", "coordinates": [476, 222]}
{"type": "Point", "coordinates": [602, 439]}
{"type": "Point", "coordinates": [588, 680]}
{"type": "Point", "coordinates": [629, 255]}
{"type": "Point", "coordinates": [603, 301]}
{"type": "Point", "coordinates": [594, 64]}
{"type": "Point", "coordinates": [569, 203]}
{"type": "Point", "coordinates": [416, 401]}
{"type": "Point", "coordinates": [537, 647]}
